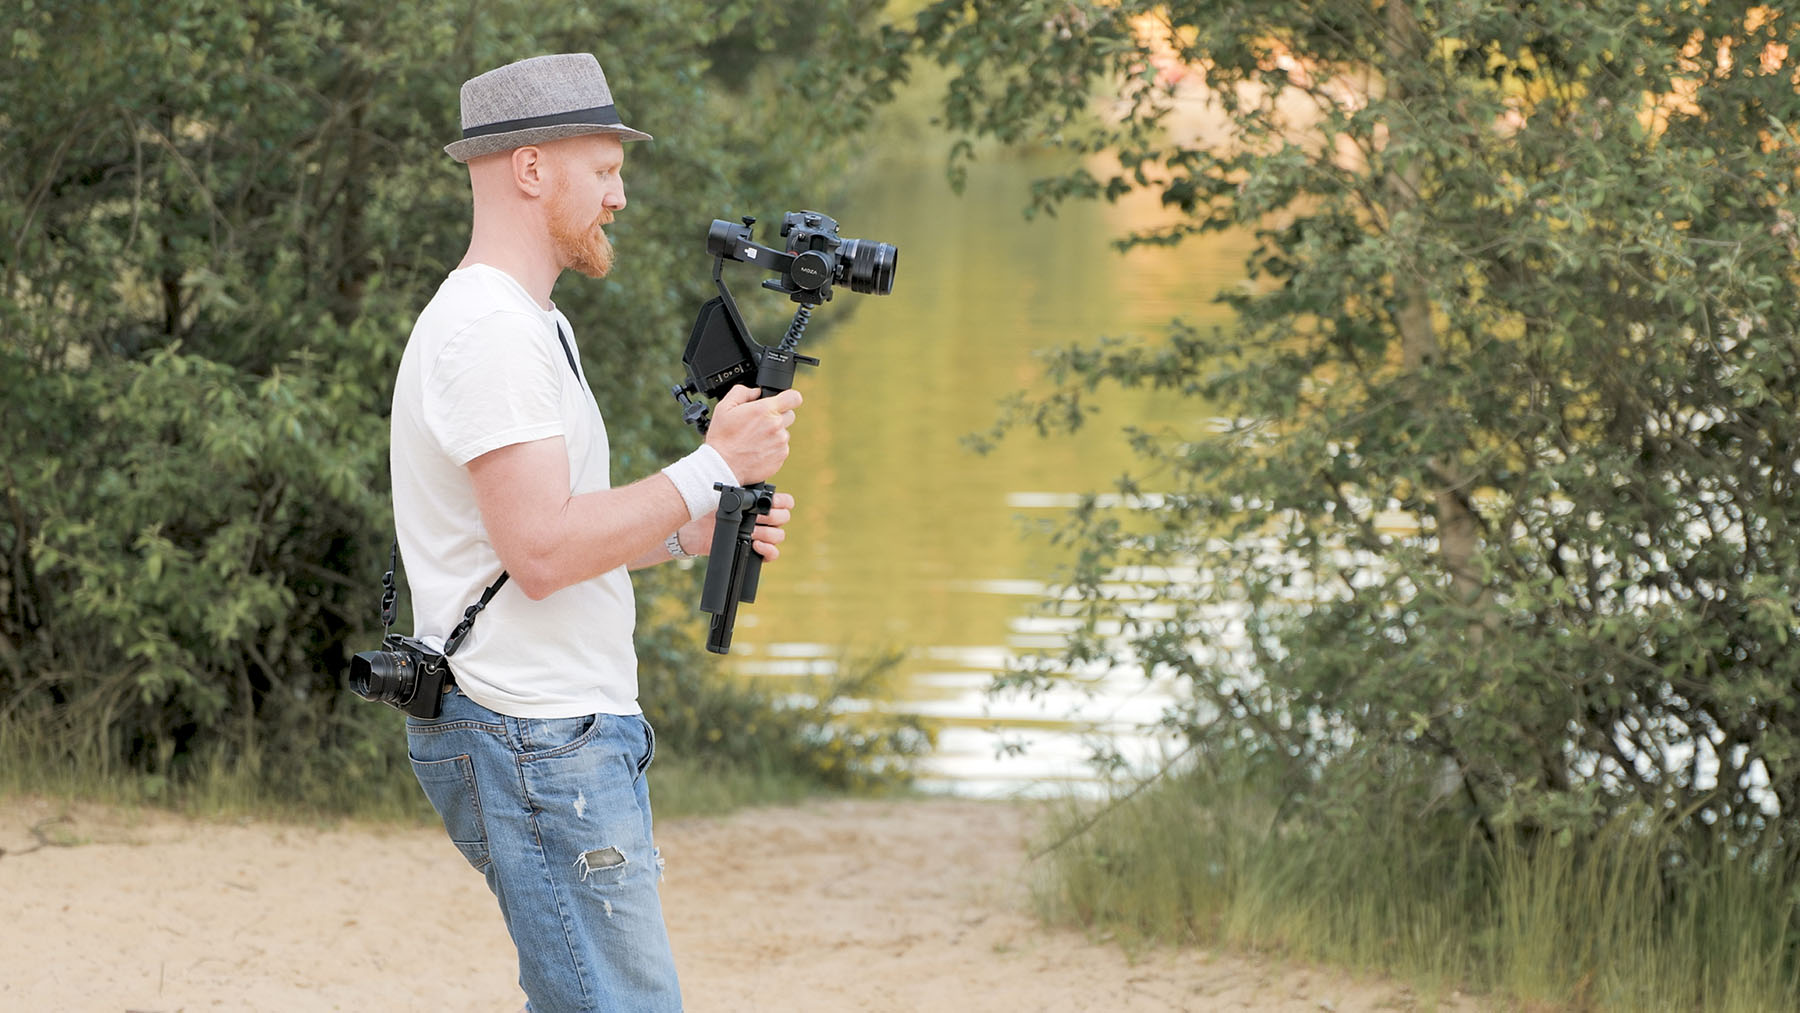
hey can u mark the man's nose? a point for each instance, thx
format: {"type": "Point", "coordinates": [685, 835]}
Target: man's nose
{"type": "Point", "coordinates": [615, 199]}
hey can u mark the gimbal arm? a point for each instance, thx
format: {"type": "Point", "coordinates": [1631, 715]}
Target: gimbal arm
{"type": "Point", "coordinates": [721, 353]}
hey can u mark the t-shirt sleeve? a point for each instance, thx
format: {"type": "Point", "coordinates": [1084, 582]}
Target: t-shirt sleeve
{"type": "Point", "coordinates": [494, 384]}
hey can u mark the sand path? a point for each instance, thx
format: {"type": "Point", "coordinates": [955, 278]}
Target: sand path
{"type": "Point", "coordinates": [828, 906]}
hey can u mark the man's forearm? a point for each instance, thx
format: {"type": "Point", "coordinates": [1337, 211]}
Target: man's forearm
{"type": "Point", "coordinates": [658, 553]}
{"type": "Point", "coordinates": [604, 530]}
{"type": "Point", "coordinates": [696, 540]}
{"type": "Point", "coordinates": [548, 539]}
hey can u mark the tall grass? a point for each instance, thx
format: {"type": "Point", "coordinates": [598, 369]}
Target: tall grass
{"type": "Point", "coordinates": [37, 759]}
{"type": "Point", "coordinates": [722, 743]}
{"type": "Point", "coordinates": [1615, 922]}
{"type": "Point", "coordinates": [42, 754]}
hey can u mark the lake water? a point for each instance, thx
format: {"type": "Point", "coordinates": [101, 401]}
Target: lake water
{"type": "Point", "coordinates": [905, 540]}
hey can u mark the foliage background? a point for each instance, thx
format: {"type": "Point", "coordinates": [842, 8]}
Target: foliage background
{"type": "Point", "coordinates": [217, 222]}
{"type": "Point", "coordinates": [1501, 503]}
{"type": "Point", "coordinates": [1494, 547]}
{"type": "Point", "coordinates": [1477, 557]}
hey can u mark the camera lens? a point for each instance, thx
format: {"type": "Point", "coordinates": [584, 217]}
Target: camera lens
{"type": "Point", "coordinates": [869, 266]}
{"type": "Point", "coordinates": [384, 677]}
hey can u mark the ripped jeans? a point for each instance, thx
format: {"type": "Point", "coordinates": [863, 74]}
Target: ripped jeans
{"type": "Point", "coordinates": [556, 814]}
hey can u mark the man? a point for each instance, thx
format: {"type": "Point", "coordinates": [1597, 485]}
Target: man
{"type": "Point", "coordinates": [499, 460]}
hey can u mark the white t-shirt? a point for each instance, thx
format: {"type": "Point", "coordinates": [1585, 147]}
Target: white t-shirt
{"type": "Point", "coordinates": [484, 369]}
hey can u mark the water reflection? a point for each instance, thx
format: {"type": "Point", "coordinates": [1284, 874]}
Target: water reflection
{"type": "Point", "coordinates": [903, 539]}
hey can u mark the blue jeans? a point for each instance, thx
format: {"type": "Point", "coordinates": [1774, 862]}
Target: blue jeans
{"type": "Point", "coordinates": [556, 814]}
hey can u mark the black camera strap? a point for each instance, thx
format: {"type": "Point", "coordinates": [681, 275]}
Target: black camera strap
{"type": "Point", "coordinates": [568, 353]}
{"type": "Point", "coordinates": [389, 594]}
{"type": "Point", "coordinates": [469, 614]}
{"type": "Point", "coordinates": [388, 608]}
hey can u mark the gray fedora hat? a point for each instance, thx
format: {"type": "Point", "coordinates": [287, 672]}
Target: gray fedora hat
{"type": "Point", "coordinates": [534, 101]}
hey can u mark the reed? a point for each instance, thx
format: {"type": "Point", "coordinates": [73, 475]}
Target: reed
{"type": "Point", "coordinates": [1623, 920]}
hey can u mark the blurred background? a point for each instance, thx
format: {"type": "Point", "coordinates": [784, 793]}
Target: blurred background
{"type": "Point", "coordinates": [912, 541]}
{"type": "Point", "coordinates": [222, 222]}
{"type": "Point", "coordinates": [1343, 453]}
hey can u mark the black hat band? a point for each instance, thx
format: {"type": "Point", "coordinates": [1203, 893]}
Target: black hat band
{"type": "Point", "coordinates": [604, 115]}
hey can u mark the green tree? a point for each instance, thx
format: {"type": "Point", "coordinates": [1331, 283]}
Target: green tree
{"type": "Point", "coordinates": [1499, 512]}
{"type": "Point", "coordinates": [217, 222]}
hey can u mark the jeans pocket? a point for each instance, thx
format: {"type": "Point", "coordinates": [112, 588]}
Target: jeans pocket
{"type": "Point", "coordinates": [649, 746]}
{"type": "Point", "coordinates": [450, 785]}
{"type": "Point", "coordinates": [548, 737]}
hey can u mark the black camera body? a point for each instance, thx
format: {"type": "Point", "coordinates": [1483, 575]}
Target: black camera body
{"type": "Point", "coordinates": [406, 674]}
{"type": "Point", "coordinates": [816, 257]}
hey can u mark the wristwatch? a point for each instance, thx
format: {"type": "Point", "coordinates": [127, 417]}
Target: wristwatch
{"type": "Point", "coordinates": [673, 544]}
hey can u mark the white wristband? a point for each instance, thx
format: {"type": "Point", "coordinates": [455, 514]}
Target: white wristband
{"type": "Point", "coordinates": [694, 476]}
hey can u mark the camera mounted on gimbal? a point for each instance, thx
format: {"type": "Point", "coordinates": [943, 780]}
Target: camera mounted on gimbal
{"type": "Point", "coordinates": [721, 354]}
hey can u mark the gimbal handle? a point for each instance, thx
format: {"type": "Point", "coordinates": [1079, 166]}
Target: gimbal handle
{"type": "Point", "coordinates": [733, 568]}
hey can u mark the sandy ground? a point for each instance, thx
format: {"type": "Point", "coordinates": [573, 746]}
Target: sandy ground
{"type": "Point", "coordinates": [843, 905]}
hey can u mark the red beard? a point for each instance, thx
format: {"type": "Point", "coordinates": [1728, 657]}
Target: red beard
{"type": "Point", "coordinates": [582, 249]}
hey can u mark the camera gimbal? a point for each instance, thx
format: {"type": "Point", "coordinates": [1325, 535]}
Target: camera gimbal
{"type": "Point", "coordinates": [720, 353]}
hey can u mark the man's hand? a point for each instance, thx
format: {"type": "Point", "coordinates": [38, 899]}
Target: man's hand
{"type": "Point", "coordinates": [697, 536]}
{"type": "Point", "coordinates": [771, 528]}
{"type": "Point", "coordinates": [751, 432]}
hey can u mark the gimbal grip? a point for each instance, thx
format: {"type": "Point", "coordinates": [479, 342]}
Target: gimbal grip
{"type": "Point", "coordinates": [721, 563]}
{"type": "Point", "coordinates": [733, 568]}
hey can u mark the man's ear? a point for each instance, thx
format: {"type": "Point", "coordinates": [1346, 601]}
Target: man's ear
{"type": "Point", "coordinates": [528, 170]}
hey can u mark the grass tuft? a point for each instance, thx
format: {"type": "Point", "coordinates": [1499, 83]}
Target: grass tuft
{"type": "Point", "coordinates": [1621, 921]}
